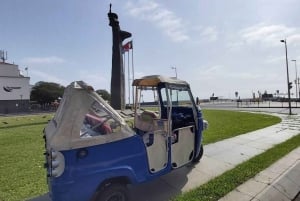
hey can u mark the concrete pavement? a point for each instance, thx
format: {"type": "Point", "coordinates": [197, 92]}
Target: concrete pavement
{"type": "Point", "coordinates": [218, 158]}
{"type": "Point", "coordinates": [280, 181]}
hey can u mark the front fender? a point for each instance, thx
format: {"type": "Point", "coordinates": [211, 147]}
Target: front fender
{"type": "Point", "coordinates": [83, 187]}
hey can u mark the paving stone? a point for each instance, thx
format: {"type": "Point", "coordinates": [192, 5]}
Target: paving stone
{"type": "Point", "coordinates": [236, 196]}
{"type": "Point", "coordinates": [287, 187]}
{"type": "Point", "coordinates": [247, 150]}
{"type": "Point", "coordinates": [185, 179]}
{"type": "Point", "coordinates": [156, 190]}
{"type": "Point", "coordinates": [294, 155]}
{"type": "Point", "coordinates": [278, 167]}
{"type": "Point", "coordinates": [266, 176]}
{"type": "Point", "coordinates": [297, 167]}
{"type": "Point", "coordinates": [212, 166]}
{"type": "Point", "coordinates": [284, 136]}
{"type": "Point", "coordinates": [297, 151]}
{"type": "Point", "coordinates": [238, 140]}
{"type": "Point", "coordinates": [260, 145]}
{"type": "Point", "coordinates": [286, 161]}
{"type": "Point", "coordinates": [252, 187]}
{"type": "Point", "coordinates": [218, 147]}
{"type": "Point", "coordinates": [272, 194]}
{"type": "Point", "coordinates": [231, 157]}
{"type": "Point", "coordinates": [252, 136]}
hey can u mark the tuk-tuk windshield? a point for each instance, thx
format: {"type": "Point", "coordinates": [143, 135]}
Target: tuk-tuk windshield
{"type": "Point", "coordinates": [179, 96]}
{"type": "Point", "coordinates": [99, 121]}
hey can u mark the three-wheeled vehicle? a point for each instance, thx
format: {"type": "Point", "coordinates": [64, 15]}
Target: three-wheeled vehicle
{"type": "Point", "coordinates": [92, 153]}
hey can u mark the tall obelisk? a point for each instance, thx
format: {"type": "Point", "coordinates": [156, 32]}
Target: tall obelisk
{"type": "Point", "coordinates": [117, 85]}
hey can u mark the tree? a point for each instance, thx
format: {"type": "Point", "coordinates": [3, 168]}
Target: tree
{"type": "Point", "coordinates": [104, 94]}
{"type": "Point", "coordinates": [46, 92]}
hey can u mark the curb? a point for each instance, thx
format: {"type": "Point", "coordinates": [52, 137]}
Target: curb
{"type": "Point", "coordinates": [280, 181]}
{"type": "Point", "coordinates": [286, 187]}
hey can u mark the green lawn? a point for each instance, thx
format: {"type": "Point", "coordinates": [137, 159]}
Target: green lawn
{"type": "Point", "coordinates": [225, 124]}
{"type": "Point", "coordinates": [21, 168]}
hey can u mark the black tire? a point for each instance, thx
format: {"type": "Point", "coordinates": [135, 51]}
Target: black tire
{"type": "Point", "coordinates": [113, 192]}
{"type": "Point", "coordinates": [197, 158]}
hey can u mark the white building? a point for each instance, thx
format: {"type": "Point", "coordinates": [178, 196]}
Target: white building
{"type": "Point", "coordinates": [14, 89]}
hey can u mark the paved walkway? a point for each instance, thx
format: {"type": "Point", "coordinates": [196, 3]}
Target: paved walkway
{"type": "Point", "coordinates": [280, 181]}
{"type": "Point", "coordinates": [218, 158]}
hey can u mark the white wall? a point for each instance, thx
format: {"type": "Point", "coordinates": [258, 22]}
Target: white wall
{"type": "Point", "coordinates": [12, 85]}
{"type": "Point", "coordinates": [20, 88]}
{"type": "Point", "coordinates": [10, 70]}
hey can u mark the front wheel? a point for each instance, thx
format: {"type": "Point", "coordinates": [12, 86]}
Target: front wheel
{"type": "Point", "coordinates": [197, 159]}
{"type": "Point", "coordinates": [113, 192]}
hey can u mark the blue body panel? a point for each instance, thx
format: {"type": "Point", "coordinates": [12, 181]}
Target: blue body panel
{"type": "Point", "coordinates": [81, 177]}
{"type": "Point", "coordinates": [199, 133]}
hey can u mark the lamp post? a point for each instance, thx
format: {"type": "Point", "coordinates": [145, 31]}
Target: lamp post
{"type": "Point", "coordinates": [287, 75]}
{"type": "Point", "coordinates": [21, 102]}
{"type": "Point", "coordinates": [175, 70]}
{"type": "Point", "coordinates": [296, 81]}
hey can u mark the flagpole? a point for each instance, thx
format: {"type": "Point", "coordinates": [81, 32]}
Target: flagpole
{"type": "Point", "coordinates": [132, 65]}
{"type": "Point", "coordinates": [126, 48]}
{"type": "Point", "coordinates": [124, 66]}
{"type": "Point", "coordinates": [128, 80]}
{"type": "Point", "coordinates": [123, 54]}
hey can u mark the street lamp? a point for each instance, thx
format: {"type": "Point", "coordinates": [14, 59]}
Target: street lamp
{"type": "Point", "coordinates": [287, 75]}
{"type": "Point", "coordinates": [175, 70]}
{"type": "Point", "coordinates": [296, 81]}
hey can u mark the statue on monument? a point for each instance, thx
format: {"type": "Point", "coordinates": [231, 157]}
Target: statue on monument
{"type": "Point", "coordinates": [117, 86]}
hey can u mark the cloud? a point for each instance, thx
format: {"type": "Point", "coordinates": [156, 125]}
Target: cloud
{"type": "Point", "coordinates": [275, 59]}
{"type": "Point", "coordinates": [270, 34]}
{"type": "Point", "coordinates": [209, 33]}
{"type": "Point", "coordinates": [221, 72]}
{"type": "Point", "coordinates": [294, 38]}
{"type": "Point", "coordinates": [94, 78]}
{"type": "Point", "coordinates": [214, 69]}
{"type": "Point", "coordinates": [43, 60]}
{"type": "Point", "coordinates": [41, 76]}
{"type": "Point", "coordinates": [166, 20]}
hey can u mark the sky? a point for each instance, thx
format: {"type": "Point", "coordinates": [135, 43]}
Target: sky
{"type": "Point", "coordinates": [219, 47]}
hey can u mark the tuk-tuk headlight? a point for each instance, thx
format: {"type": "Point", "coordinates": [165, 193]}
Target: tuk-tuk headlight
{"type": "Point", "coordinates": [205, 124]}
{"type": "Point", "coordinates": [57, 163]}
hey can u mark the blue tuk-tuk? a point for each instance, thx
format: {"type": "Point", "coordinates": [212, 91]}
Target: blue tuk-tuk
{"type": "Point", "coordinates": [94, 153]}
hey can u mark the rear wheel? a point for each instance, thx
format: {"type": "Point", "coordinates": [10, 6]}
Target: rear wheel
{"type": "Point", "coordinates": [113, 192]}
{"type": "Point", "coordinates": [197, 159]}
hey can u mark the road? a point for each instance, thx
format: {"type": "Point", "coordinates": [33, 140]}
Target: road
{"type": "Point", "coordinates": [274, 107]}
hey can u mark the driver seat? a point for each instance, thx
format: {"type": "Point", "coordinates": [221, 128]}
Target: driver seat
{"type": "Point", "coordinates": [145, 120]}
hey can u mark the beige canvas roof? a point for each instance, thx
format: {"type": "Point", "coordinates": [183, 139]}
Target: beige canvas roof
{"type": "Point", "coordinates": [63, 131]}
{"type": "Point", "coordinates": [154, 80]}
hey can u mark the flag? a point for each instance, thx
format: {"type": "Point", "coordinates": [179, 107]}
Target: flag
{"type": "Point", "coordinates": [127, 46]}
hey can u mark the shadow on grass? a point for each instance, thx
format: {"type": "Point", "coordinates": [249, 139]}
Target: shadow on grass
{"type": "Point", "coordinates": [23, 125]}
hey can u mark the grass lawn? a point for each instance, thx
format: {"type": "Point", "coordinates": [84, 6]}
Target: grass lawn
{"type": "Point", "coordinates": [21, 168]}
{"type": "Point", "coordinates": [226, 124]}
{"type": "Point", "coordinates": [220, 186]}
{"type": "Point", "coordinates": [22, 174]}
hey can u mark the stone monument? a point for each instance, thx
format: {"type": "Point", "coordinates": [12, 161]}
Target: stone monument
{"type": "Point", "coordinates": [117, 85]}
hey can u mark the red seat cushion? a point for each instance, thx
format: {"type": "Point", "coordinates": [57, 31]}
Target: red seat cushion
{"type": "Point", "coordinates": [94, 120]}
